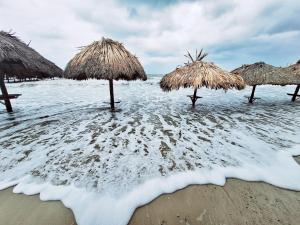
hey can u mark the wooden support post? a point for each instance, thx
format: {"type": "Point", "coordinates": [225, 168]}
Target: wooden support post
{"type": "Point", "coordinates": [194, 99]}
{"type": "Point", "coordinates": [296, 93]}
{"type": "Point", "coordinates": [111, 91]}
{"type": "Point", "coordinates": [5, 94]}
{"type": "Point", "coordinates": [252, 94]}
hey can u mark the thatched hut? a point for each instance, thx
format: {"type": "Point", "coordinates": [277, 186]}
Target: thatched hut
{"type": "Point", "coordinates": [199, 74]}
{"type": "Point", "coordinates": [294, 71]}
{"type": "Point", "coordinates": [261, 73]}
{"type": "Point", "coordinates": [105, 59]}
{"type": "Point", "coordinates": [17, 59]}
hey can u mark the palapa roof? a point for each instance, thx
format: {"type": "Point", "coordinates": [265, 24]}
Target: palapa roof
{"type": "Point", "coordinates": [201, 74]}
{"type": "Point", "coordinates": [261, 73]}
{"type": "Point", "coordinates": [105, 59]}
{"type": "Point", "coordinates": [18, 59]}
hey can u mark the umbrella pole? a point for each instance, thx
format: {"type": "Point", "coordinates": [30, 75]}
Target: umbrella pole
{"type": "Point", "coordinates": [111, 91]}
{"type": "Point", "coordinates": [296, 93]}
{"type": "Point", "coordinates": [5, 94]}
{"type": "Point", "coordinates": [194, 98]}
{"type": "Point", "coordinates": [252, 94]}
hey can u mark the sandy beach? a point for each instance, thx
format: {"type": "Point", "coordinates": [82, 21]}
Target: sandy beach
{"type": "Point", "coordinates": [238, 202]}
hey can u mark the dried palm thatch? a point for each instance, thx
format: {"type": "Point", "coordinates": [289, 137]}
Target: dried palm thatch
{"type": "Point", "coordinates": [105, 59]}
{"type": "Point", "coordinates": [261, 73]}
{"type": "Point", "coordinates": [201, 74]}
{"type": "Point", "coordinates": [294, 69]}
{"type": "Point", "coordinates": [19, 60]}
{"type": "Point", "coordinates": [198, 74]}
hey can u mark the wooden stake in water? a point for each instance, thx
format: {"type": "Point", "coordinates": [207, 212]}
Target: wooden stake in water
{"type": "Point", "coordinates": [296, 93]}
{"type": "Point", "coordinates": [5, 94]}
{"type": "Point", "coordinates": [194, 98]}
{"type": "Point", "coordinates": [252, 94]}
{"type": "Point", "coordinates": [111, 91]}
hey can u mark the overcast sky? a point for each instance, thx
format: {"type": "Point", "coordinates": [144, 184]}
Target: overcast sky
{"type": "Point", "coordinates": [159, 33]}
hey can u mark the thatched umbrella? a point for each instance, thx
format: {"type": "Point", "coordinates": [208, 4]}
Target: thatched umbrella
{"type": "Point", "coordinates": [17, 59]}
{"type": "Point", "coordinates": [105, 59]}
{"type": "Point", "coordinates": [294, 71]}
{"type": "Point", "coordinates": [261, 73]}
{"type": "Point", "coordinates": [200, 74]}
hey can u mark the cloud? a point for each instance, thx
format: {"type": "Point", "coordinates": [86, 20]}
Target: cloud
{"type": "Point", "coordinates": [233, 32]}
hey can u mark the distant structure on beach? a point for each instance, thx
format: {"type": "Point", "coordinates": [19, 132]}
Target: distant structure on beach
{"type": "Point", "coordinates": [294, 70]}
{"type": "Point", "coordinates": [197, 74]}
{"type": "Point", "coordinates": [107, 60]}
{"type": "Point", "coordinates": [19, 61]}
{"type": "Point", "coordinates": [261, 73]}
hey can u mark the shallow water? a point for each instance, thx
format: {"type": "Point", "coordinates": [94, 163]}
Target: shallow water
{"type": "Point", "coordinates": [62, 136]}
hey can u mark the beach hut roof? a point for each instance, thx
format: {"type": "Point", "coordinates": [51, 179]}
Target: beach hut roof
{"type": "Point", "coordinates": [105, 59]}
{"type": "Point", "coordinates": [261, 73]}
{"type": "Point", "coordinates": [198, 74]}
{"type": "Point", "coordinates": [18, 59]}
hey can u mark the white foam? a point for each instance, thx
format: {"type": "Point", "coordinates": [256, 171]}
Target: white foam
{"type": "Point", "coordinates": [103, 166]}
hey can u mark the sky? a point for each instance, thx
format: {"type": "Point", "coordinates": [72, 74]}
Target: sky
{"type": "Point", "coordinates": [159, 33]}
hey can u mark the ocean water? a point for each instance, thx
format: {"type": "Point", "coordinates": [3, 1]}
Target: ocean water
{"type": "Point", "coordinates": [64, 143]}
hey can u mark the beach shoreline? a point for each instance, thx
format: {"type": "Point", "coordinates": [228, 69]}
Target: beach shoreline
{"type": "Point", "coordinates": [237, 202]}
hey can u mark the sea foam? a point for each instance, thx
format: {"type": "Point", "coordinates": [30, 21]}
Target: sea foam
{"type": "Point", "coordinates": [64, 144]}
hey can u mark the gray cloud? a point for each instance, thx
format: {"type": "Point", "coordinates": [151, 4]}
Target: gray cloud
{"type": "Point", "coordinates": [160, 32]}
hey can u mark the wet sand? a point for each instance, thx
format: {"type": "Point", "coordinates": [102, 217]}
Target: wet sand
{"type": "Point", "coordinates": [238, 202]}
{"type": "Point", "coordinates": [19, 209]}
